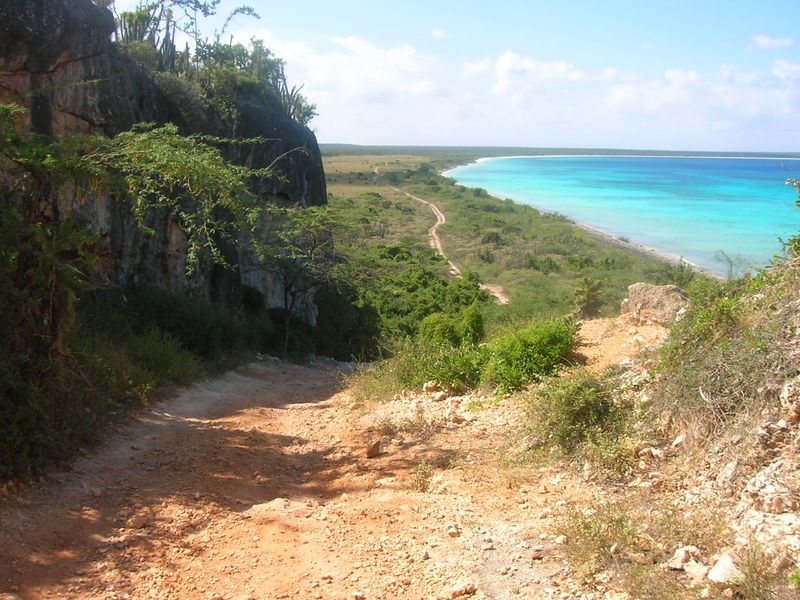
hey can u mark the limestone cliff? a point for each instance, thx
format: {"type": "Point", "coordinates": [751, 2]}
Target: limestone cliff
{"type": "Point", "coordinates": [57, 60]}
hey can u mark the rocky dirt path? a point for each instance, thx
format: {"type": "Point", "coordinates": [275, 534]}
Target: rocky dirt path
{"type": "Point", "coordinates": [268, 484]}
{"type": "Point", "coordinates": [257, 485]}
{"type": "Point", "coordinates": [494, 289]}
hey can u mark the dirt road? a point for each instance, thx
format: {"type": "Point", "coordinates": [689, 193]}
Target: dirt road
{"type": "Point", "coordinates": [494, 289]}
{"type": "Point", "coordinates": [257, 485]}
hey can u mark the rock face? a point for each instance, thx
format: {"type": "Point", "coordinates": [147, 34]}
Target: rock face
{"type": "Point", "coordinates": [57, 60]}
{"type": "Point", "coordinates": [660, 304]}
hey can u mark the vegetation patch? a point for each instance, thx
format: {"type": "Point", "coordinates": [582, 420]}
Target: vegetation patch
{"type": "Point", "coordinates": [727, 355]}
{"type": "Point", "coordinates": [521, 357]}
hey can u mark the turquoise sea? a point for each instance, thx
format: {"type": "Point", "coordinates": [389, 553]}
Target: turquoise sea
{"type": "Point", "coordinates": [695, 208]}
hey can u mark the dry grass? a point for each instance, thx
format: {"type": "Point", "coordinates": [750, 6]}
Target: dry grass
{"type": "Point", "coordinates": [633, 538]}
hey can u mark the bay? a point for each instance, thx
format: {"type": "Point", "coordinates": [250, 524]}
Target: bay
{"type": "Point", "coordinates": [717, 213]}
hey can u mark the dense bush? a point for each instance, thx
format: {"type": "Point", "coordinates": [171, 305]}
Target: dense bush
{"type": "Point", "coordinates": [119, 354]}
{"type": "Point", "coordinates": [404, 288]}
{"type": "Point", "coordinates": [438, 331]}
{"type": "Point", "coordinates": [347, 327]}
{"type": "Point", "coordinates": [202, 328]}
{"type": "Point", "coordinates": [469, 325]}
{"type": "Point", "coordinates": [454, 368]}
{"type": "Point", "coordinates": [162, 355]}
{"type": "Point", "coordinates": [521, 357]}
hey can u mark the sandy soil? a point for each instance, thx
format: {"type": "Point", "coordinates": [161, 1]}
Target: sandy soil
{"type": "Point", "coordinates": [618, 340]}
{"type": "Point", "coordinates": [267, 483]}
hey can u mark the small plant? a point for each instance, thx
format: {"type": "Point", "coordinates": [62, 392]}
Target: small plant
{"type": "Point", "coordinates": [759, 579]}
{"type": "Point", "coordinates": [528, 355]}
{"type": "Point", "coordinates": [486, 256]}
{"type": "Point", "coordinates": [446, 461]}
{"type": "Point", "coordinates": [419, 425]}
{"type": "Point", "coordinates": [376, 383]}
{"type": "Point", "coordinates": [574, 409]}
{"type": "Point", "coordinates": [387, 427]}
{"type": "Point", "coordinates": [611, 454]}
{"type": "Point", "coordinates": [421, 476]}
{"type": "Point", "coordinates": [589, 297]}
{"type": "Point", "coordinates": [164, 357]}
{"type": "Point", "coordinates": [596, 537]}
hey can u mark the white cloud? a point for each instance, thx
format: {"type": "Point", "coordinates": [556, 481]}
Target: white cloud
{"type": "Point", "coordinates": [731, 74]}
{"type": "Point", "coordinates": [558, 103]}
{"type": "Point", "coordinates": [371, 93]}
{"type": "Point", "coordinates": [612, 74]}
{"type": "Point", "coordinates": [364, 92]}
{"type": "Point", "coordinates": [473, 69]}
{"type": "Point", "coordinates": [439, 34]}
{"type": "Point", "coordinates": [765, 42]}
{"type": "Point", "coordinates": [515, 74]}
{"type": "Point", "coordinates": [783, 69]}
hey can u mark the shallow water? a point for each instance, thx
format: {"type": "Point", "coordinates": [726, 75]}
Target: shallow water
{"type": "Point", "coordinates": [695, 208]}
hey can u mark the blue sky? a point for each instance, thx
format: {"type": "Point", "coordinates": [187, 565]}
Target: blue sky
{"type": "Point", "coordinates": [702, 75]}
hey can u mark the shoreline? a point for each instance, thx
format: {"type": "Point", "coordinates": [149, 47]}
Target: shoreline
{"type": "Point", "coordinates": [445, 173]}
{"type": "Point", "coordinates": [610, 239]}
{"type": "Point", "coordinates": [642, 250]}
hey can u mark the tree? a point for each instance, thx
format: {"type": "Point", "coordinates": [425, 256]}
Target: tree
{"type": "Point", "coordinates": [46, 260]}
{"type": "Point", "coordinates": [156, 168]}
{"type": "Point", "coordinates": [296, 245]}
{"type": "Point", "coordinates": [589, 297]}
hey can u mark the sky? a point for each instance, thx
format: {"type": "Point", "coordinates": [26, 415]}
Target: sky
{"type": "Point", "coordinates": [646, 74]}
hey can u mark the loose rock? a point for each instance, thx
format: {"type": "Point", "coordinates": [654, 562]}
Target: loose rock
{"type": "Point", "coordinates": [460, 591]}
{"type": "Point", "coordinates": [682, 556]}
{"type": "Point", "coordinates": [724, 571]}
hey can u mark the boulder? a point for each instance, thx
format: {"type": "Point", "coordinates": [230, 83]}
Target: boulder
{"type": "Point", "coordinates": [58, 61]}
{"type": "Point", "coordinates": [724, 571]}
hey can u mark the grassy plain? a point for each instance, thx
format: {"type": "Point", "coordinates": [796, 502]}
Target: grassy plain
{"type": "Point", "coordinates": [539, 259]}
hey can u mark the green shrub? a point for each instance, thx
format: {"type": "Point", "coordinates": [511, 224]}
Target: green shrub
{"type": "Point", "coordinates": [162, 356]}
{"type": "Point", "coordinates": [470, 326]}
{"type": "Point", "coordinates": [454, 368]}
{"type": "Point", "coordinates": [457, 369]}
{"type": "Point", "coordinates": [524, 356]}
{"type": "Point", "coordinates": [185, 95]}
{"type": "Point", "coordinates": [142, 53]}
{"type": "Point", "coordinates": [199, 326]}
{"type": "Point", "coordinates": [759, 580]}
{"type": "Point", "coordinates": [573, 409]}
{"type": "Point", "coordinates": [421, 476]}
{"type": "Point", "coordinates": [438, 331]}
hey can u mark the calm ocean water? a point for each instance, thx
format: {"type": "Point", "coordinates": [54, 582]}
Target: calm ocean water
{"type": "Point", "coordinates": [694, 208]}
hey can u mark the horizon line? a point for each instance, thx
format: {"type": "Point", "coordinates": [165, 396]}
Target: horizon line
{"type": "Point", "coordinates": [571, 149]}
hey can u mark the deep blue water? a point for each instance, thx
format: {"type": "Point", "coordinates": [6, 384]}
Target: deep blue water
{"type": "Point", "coordinates": [693, 208]}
